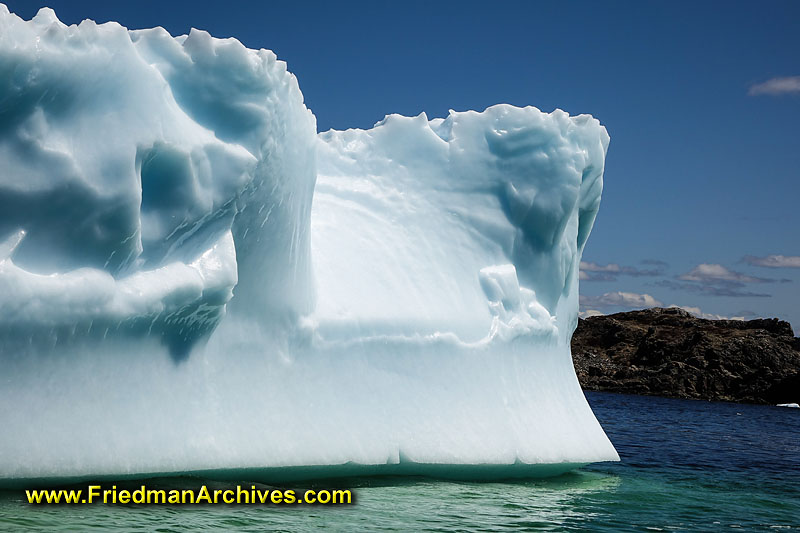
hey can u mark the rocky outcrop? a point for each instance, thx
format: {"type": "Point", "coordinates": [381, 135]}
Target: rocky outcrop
{"type": "Point", "coordinates": [669, 352]}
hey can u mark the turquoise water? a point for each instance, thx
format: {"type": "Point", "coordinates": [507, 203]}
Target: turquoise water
{"type": "Point", "coordinates": [686, 466]}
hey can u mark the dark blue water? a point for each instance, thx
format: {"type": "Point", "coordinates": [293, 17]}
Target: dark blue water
{"type": "Point", "coordinates": [694, 465]}
{"type": "Point", "coordinates": [686, 466]}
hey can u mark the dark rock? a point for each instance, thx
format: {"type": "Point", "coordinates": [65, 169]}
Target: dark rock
{"type": "Point", "coordinates": [669, 352]}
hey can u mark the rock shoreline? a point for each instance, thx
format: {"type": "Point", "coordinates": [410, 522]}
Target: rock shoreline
{"type": "Point", "coordinates": [669, 352]}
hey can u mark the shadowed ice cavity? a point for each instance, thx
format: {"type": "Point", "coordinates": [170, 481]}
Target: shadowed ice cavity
{"type": "Point", "coordinates": [128, 156]}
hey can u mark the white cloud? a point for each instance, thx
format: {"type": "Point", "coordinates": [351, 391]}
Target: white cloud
{"type": "Point", "coordinates": [590, 312]}
{"type": "Point", "coordinates": [777, 86]}
{"type": "Point", "coordinates": [773, 261]}
{"type": "Point", "coordinates": [595, 272]}
{"type": "Point", "coordinates": [713, 288]}
{"type": "Point", "coordinates": [696, 311]}
{"type": "Point", "coordinates": [588, 266]}
{"type": "Point", "coordinates": [620, 299]}
{"type": "Point", "coordinates": [710, 273]}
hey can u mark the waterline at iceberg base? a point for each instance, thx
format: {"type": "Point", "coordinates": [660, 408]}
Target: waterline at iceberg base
{"type": "Point", "coordinates": [192, 280]}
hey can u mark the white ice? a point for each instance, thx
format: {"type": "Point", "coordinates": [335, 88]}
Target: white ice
{"type": "Point", "coordinates": [192, 279]}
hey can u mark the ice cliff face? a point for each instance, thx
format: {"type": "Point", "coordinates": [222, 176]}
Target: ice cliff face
{"type": "Point", "coordinates": [170, 301]}
{"type": "Point", "coordinates": [471, 225]}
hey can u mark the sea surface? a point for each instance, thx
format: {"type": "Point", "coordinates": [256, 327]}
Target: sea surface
{"type": "Point", "coordinates": [686, 466]}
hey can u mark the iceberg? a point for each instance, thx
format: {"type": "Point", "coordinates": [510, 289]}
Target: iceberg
{"type": "Point", "coordinates": [193, 280]}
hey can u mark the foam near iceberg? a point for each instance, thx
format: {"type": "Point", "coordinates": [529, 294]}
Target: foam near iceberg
{"type": "Point", "coordinates": [193, 280]}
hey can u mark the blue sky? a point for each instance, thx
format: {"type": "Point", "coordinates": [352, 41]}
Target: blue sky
{"type": "Point", "coordinates": [702, 101]}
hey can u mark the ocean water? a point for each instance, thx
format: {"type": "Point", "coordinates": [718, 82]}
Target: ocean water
{"type": "Point", "coordinates": [686, 466]}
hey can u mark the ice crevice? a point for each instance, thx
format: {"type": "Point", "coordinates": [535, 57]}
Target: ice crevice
{"type": "Point", "coordinates": [192, 279]}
